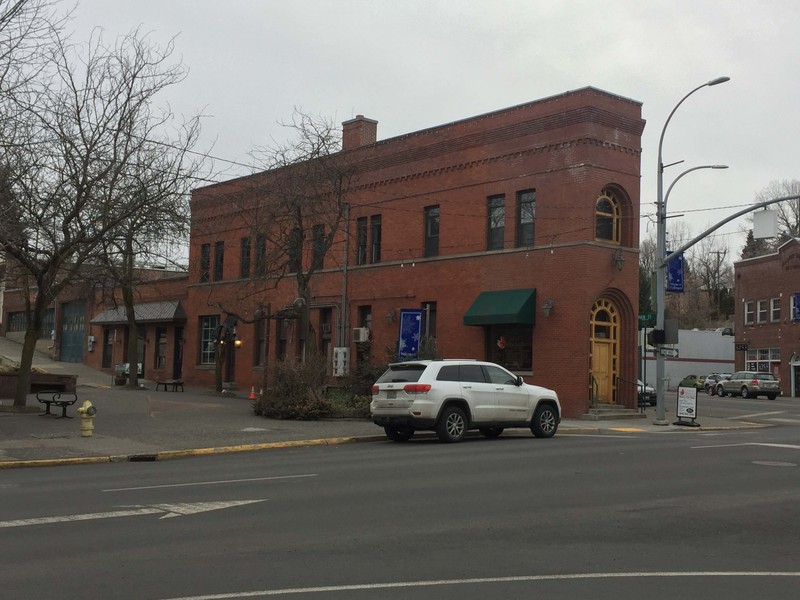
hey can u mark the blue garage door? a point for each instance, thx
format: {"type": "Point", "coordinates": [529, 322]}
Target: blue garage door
{"type": "Point", "coordinates": [73, 315]}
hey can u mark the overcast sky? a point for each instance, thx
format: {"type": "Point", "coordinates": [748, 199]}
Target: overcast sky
{"type": "Point", "coordinates": [413, 64]}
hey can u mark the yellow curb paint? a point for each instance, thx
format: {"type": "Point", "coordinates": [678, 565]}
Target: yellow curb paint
{"type": "Point", "coordinates": [53, 462]}
{"type": "Point", "coordinates": [627, 429]}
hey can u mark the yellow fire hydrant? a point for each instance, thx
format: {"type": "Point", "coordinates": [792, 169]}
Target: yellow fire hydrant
{"type": "Point", "coordinates": [87, 412]}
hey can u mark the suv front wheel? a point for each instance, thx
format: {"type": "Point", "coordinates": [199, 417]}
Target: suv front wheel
{"type": "Point", "coordinates": [545, 422]}
{"type": "Point", "coordinates": [452, 425]}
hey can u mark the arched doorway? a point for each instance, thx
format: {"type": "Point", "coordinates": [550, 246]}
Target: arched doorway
{"type": "Point", "coordinates": [604, 351]}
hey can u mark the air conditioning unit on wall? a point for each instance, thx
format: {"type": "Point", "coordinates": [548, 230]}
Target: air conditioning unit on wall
{"type": "Point", "coordinates": [360, 334]}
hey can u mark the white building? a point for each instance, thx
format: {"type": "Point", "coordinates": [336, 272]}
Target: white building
{"type": "Point", "coordinates": [698, 353]}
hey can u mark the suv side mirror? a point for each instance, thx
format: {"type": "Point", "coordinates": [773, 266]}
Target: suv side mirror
{"type": "Point", "coordinates": [519, 380]}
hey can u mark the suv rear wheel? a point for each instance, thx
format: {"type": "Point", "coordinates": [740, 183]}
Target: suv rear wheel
{"type": "Point", "coordinates": [452, 425]}
{"type": "Point", "coordinates": [545, 422]}
{"type": "Point", "coordinates": [745, 392]}
{"type": "Point", "coordinates": [399, 434]}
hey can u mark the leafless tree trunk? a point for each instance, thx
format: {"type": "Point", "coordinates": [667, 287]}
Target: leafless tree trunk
{"type": "Point", "coordinates": [71, 166]}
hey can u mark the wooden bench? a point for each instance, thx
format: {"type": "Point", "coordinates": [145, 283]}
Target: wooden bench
{"type": "Point", "coordinates": [175, 383]}
{"type": "Point", "coordinates": [59, 398]}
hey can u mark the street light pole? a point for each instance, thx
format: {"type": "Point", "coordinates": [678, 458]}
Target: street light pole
{"type": "Point", "coordinates": [661, 250]}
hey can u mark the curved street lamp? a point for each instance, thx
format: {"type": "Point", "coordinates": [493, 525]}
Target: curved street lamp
{"type": "Point", "coordinates": [661, 243]}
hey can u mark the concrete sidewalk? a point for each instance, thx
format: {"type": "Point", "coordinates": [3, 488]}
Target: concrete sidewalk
{"type": "Point", "coordinates": [146, 424]}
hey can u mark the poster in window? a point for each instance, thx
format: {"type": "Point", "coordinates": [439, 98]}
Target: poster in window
{"type": "Point", "coordinates": [410, 332]}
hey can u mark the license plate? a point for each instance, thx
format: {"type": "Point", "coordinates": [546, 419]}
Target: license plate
{"type": "Point", "coordinates": [391, 394]}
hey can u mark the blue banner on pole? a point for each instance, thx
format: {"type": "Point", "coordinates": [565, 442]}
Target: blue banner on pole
{"type": "Point", "coordinates": [410, 332]}
{"type": "Point", "coordinates": [675, 274]}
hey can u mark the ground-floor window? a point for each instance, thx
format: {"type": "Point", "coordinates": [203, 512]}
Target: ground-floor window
{"type": "Point", "coordinates": [209, 327]}
{"type": "Point", "coordinates": [511, 346]}
{"type": "Point", "coordinates": [765, 360]}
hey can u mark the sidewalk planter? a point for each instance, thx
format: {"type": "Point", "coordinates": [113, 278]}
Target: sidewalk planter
{"type": "Point", "coordinates": [39, 381]}
{"type": "Point", "coordinates": [120, 379]}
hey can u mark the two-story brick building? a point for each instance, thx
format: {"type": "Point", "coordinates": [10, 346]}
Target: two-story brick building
{"type": "Point", "coordinates": [515, 232]}
{"type": "Point", "coordinates": [767, 293]}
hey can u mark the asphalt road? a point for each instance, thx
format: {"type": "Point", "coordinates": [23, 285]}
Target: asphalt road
{"type": "Point", "coordinates": [686, 515]}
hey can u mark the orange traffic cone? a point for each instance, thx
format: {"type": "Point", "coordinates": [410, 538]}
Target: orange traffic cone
{"type": "Point", "coordinates": [252, 392]}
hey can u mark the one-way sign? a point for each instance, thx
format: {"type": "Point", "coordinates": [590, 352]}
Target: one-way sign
{"type": "Point", "coordinates": [668, 352]}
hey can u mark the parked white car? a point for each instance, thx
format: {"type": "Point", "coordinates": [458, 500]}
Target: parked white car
{"type": "Point", "coordinates": [453, 396]}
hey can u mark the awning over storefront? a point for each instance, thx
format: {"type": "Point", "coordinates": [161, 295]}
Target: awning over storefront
{"type": "Point", "coordinates": [149, 312]}
{"type": "Point", "coordinates": [504, 307]}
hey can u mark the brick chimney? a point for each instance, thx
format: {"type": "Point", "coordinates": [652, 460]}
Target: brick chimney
{"type": "Point", "coordinates": [359, 132]}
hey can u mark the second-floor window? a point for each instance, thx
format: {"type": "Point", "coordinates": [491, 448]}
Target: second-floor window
{"type": "Point", "coordinates": [775, 310]}
{"type": "Point", "coordinates": [606, 215]}
{"type": "Point", "coordinates": [497, 222]}
{"type": "Point", "coordinates": [244, 259]}
{"type": "Point", "coordinates": [219, 260]}
{"type": "Point", "coordinates": [295, 250]}
{"type": "Point", "coordinates": [749, 312]}
{"type": "Point", "coordinates": [762, 311]}
{"type": "Point", "coordinates": [526, 215]}
{"type": "Point", "coordinates": [361, 241]}
{"type": "Point", "coordinates": [431, 231]}
{"type": "Point", "coordinates": [318, 242]}
{"type": "Point", "coordinates": [375, 233]}
{"type": "Point", "coordinates": [205, 262]}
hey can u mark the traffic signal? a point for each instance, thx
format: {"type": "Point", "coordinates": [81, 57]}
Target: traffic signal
{"type": "Point", "coordinates": [655, 337]}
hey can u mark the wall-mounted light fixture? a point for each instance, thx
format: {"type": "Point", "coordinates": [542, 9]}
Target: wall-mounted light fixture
{"type": "Point", "coordinates": [547, 306]}
{"type": "Point", "coordinates": [618, 259]}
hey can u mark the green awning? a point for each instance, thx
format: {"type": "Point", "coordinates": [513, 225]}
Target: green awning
{"type": "Point", "coordinates": [502, 308]}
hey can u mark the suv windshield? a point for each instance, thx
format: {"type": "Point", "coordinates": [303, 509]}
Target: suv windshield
{"type": "Point", "coordinates": [398, 373]}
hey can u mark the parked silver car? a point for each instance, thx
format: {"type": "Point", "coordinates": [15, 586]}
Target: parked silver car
{"type": "Point", "coordinates": [711, 381]}
{"type": "Point", "coordinates": [750, 384]}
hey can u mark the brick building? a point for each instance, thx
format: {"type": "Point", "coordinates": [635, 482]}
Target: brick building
{"type": "Point", "coordinates": [86, 325]}
{"type": "Point", "coordinates": [767, 294]}
{"type": "Point", "coordinates": [514, 232]}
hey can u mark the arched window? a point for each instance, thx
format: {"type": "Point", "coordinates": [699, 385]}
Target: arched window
{"type": "Point", "coordinates": [606, 217]}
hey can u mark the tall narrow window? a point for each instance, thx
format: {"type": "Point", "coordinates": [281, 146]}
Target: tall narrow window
{"type": "Point", "coordinates": [497, 222]}
{"type": "Point", "coordinates": [161, 348]}
{"type": "Point", "coordinates": [429, 319]}
{"type": "Point", "coordinates": [375, 232]}
{"type": "Point", "coordinates": [431, 231]}
{"type": "Point", "coordinates": [295, 250]}
{"type": "Point", "coordinates": [261, 255]}
{"type": "Point", "coordinates": [775, 310]}
{"type": "Point", "coordinates": [205, 262]}
{"type": "Point", "coordinates": [260, 350]}
{"type": "Point", "coordinates": [244, 259]}
{"type": "Point", "coordinates": [219, 260]}
{"type": "Point", "coordinates": [318, 241]}
{"type": "Point", "coordinates": [208, 339]}
{"type": "Point", "coordinates": [762, 311]}
{"type": "Point", "coordinates": [361, 241]}
{"type": "Point", "coordinates": [526, 215]}
{"type": "Point", "coordinates": [606, 215]}
{"type": "Point", "coordinates": [749, 312]}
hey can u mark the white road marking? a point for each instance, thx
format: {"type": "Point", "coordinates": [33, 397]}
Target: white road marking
{"type": "Point", "coordinates": [784, 420]}
{"type": "Point", "coordinates": [789, 446]}
{"type": "Point", "coordinates": [171, 510]}
{"type": "Point", "coordinates": [220, 482]}
{"type": "Point", "coordinates": [472, 581]}
{"type": "Point", "coordinates": [754, 415]}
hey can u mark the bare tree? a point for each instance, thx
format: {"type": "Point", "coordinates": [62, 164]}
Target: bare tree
{"type": "Point", "coordinates": [72, 167]}
{"type": "Point", "coordinates": [714, 272]}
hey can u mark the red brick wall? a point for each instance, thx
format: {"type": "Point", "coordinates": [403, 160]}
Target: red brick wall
{"type": "Point", "coordinates": [568, 148]}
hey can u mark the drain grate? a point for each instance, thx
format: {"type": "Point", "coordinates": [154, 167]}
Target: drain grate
{"type": "Point", "coordinates": [143, 458]}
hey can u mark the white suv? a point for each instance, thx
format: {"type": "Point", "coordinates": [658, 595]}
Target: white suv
{"type": "Point", "coordinates": [452, 396]}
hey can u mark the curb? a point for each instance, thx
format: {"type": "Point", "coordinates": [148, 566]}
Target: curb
{"type": "Point", "coordinates": [173, 454]}
{"type": "Point", "coordinates": [218, 450]}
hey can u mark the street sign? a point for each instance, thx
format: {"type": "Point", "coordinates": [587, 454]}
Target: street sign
{"type": "Point", "coordinates": [647, 319]}
{"type": "Point", "coordinates": [668, 352]}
